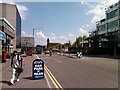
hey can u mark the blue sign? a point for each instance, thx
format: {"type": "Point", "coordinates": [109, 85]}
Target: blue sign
{"type": "Point", "coordinates": [38, 69]}
{"type": "Point", "coordinates": [79, 54]}
{"type": "Point", "coordinates": [2, 35]}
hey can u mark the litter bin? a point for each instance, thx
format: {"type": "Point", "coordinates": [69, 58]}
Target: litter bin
{"type": "Point", "coordinates": [3, 56]}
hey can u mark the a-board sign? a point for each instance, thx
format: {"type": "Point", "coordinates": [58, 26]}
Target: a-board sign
{"type": "Point", "coordinates": [38, 69]}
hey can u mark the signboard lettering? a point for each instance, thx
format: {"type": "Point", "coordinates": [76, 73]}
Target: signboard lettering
{"type": "Point", "coordinates": [38, 69]}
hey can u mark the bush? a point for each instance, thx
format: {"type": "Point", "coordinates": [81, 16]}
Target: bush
{"type": "Point", "coordinates": [73, 51]}
{"type": "Point", "coordinates": [8, 55]}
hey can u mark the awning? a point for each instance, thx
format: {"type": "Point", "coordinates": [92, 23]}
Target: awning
{"type": "Point", "coordinates": [2, 35]}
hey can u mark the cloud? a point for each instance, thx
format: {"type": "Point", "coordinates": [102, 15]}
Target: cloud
{"type": "Point", "coordinates": [52, 35]}
{"type": "Point", "coordinates": [53, 38]}
{"type": "Point", "coordinates": [98, 13]}
{"type": "Point", "coordinates": [61, 39]}
{"type": "Point", "coordinates": [40, 38]}
{"type": "Point", "coordinates": [110, 2]}
{"type": "Point", "coordinates": [24, 34]}
{"type": "Point", "coordinates": [98, 10]}
{"type": "Point", "coordinates": [70, 35]}
{"type": "Point", "coordinates": [40, 34]}
{"type": "Point", "coordinates": [83, 32]}
{"type": "Point", "coordinates": [0, 1]}
{"type": "Point", "coordinates": [23, 11]}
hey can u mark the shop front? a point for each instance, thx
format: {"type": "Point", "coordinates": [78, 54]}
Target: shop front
{"type": "Point", "coordinates": [2, 38]}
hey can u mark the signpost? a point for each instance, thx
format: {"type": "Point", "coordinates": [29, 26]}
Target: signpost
{"type": "Point", "coordinates": [79, 54]}
{"type": "Point", "coordinates": [38, 69]}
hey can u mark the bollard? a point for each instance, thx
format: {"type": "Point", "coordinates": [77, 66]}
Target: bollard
{"type": "Point", "coordinates": [4, 56]}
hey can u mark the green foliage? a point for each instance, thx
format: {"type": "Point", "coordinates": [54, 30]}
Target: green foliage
{"type": "Point", "coordinates": [73, 51]}
{"type": "Point", "coordinates": [78, 40]}
{"type": "Point", "coordinates": [8, 55]}
{"type": "Point", "coordinates": [23, 49]}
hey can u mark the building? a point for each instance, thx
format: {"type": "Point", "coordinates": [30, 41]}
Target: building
{"type": "Point", "coordinates": [27, 45]}
{"type": "Point", "coordinates": [11, 14]}
{"type": "Point", "coordinates": [27, 41]}
{"type": "Point", "coordinates": [53, 46]}
{"type": "Point", "coordinates": [39, 49]}
{"type": "Point", "coordinates": [106, 38]}
{"type": "Point", "coordinates": [109, 26]}
{"type": "Point", "coordinates": [8, 34]}
{"type": "Point", "coordinates": [2, 37]}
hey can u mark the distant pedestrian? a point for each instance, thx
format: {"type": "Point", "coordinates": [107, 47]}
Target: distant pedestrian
{"type": "Point", "coordinates": [50, 52]}
{"type": "Point", "coordinates": [16, 67]}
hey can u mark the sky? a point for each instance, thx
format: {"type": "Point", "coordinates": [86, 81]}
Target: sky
{"type": "Point", "coordinates": [61, 22]}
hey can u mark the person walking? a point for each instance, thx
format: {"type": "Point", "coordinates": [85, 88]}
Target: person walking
{"type": "Point", "coordinates": [50, 52]}
{"type": "Point", "coordinates": [15, 64]}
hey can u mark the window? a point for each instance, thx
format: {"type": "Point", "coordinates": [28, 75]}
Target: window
{"type": "Point", "coordinates": [112, 14]}
{"type": "Point", "coordinates": [102, 28]}
{"type": "Point", "coordinates": [112, 25]}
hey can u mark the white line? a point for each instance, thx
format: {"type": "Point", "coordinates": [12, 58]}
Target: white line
{"type": "Point", "coordinates": [1, 75]}
{"type": "Point", "coordinates": [48, 83]}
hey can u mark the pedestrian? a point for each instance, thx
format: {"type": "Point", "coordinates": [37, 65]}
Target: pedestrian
{"type": "Point", "coordinates": [15, 65]}
{"type": "Point", "coordinates": [50, 52]}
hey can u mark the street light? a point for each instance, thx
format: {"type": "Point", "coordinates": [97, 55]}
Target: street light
{"type": "Point", "coordinates": [34, 36]}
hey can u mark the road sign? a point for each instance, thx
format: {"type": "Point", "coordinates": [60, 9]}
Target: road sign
{"type": "Point", "coordinates": [38, 69]}
{"type": "Point", "coordinates": [79, 54]}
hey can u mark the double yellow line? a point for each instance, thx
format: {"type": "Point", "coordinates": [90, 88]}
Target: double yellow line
{"type": "Point", "coordinates": [53, 79]}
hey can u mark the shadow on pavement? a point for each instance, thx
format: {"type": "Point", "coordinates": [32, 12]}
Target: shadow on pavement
{"type": "Point", "coordinates": [5, 82]}
{"type": "Point", "coordinates": [29, 78]}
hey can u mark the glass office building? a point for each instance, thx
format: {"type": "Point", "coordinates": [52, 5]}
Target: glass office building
{"type": "Point", "coordinates": [110, 24]}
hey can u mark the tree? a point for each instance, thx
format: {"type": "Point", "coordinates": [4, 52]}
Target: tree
{"type": "Point", "coordinates": [95, 40]}
{"type": "Point", "coordinates": [84, 37]}
{"type": "Point", "coordinates": [78, 40]}
{"type": "Point", "coordinates": [113, 39]}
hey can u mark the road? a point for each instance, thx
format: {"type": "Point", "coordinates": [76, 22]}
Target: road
{"type": "Point", "coordinates": [88, 72]}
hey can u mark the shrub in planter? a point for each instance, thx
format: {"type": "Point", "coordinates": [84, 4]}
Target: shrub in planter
{"type": "Point", "coordinates": [8, 55]}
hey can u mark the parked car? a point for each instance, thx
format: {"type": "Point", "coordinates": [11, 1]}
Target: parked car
{"type": "Point", "coordinates": [47, 52]}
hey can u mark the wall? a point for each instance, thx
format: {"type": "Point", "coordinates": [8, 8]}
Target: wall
{"type": "Point", "coordinates": [0, 50]}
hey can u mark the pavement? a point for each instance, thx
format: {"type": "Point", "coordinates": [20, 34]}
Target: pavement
{"type": "Point", "coordinates": [25, 77]}
{"type": "Point", "coordinates": [68, 55]}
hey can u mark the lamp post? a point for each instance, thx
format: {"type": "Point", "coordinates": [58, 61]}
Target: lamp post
{"type": "Point", "coordinates": [34, 35]}
{"type": "Point", "coordinates": [33, 38]}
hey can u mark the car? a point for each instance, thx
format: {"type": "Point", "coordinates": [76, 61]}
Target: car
{"type": "Point", "coordinates": [47, 52]}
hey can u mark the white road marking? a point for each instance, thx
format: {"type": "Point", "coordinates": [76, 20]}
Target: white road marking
{"type": "Point", "coordinates": [48, 83]}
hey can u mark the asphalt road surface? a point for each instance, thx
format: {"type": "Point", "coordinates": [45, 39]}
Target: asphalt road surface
{"type": "Point", "coordinates": [87, 72]}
